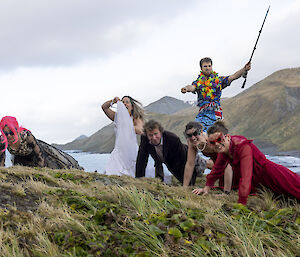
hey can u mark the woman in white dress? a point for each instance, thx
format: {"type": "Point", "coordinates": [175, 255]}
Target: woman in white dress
{"type": "Point", "coordinates": [129, 121]}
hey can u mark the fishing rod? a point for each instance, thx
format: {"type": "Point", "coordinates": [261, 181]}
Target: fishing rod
{"type": "Point", "coordinates": [246, 72]}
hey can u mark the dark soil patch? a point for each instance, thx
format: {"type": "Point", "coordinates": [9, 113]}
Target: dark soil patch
{"type": "Point", "coordinates": [22, 203]}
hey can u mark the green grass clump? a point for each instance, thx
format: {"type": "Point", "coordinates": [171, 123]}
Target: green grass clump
{"type": "Point", "coordinates": [52, 213]}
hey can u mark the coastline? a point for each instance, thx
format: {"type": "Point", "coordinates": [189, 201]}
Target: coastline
{"type": "Point", "coordinates": [269, 148]}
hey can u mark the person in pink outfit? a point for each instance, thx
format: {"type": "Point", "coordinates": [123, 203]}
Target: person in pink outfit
{"type": "Point", "coordinates": [26, 150]}
{"type": "Point", "coordinates": [249, 164]}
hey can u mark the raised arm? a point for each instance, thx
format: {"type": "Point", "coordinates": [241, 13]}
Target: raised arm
{"type": "Point", "coordinates": [239, 73]}
{"type": "Point", "coordinates": [106, 108]}
{"type": "Point", "coordinates": [189, 165]}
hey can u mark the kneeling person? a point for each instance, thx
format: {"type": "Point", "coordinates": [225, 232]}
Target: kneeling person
{"type": "Point", "coordinates": [164, 147]}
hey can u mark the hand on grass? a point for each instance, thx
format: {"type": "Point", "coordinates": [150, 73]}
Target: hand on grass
{"type": "Point", "coordinates": [199, 191]}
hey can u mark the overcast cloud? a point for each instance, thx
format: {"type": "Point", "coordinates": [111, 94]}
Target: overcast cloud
{"type": "Point", "coordinates": [67, 32]}
{"type": "Point", "coordinates": [60, 60]}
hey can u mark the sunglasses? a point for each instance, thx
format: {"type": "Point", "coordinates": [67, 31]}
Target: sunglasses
{"type": "Point", "coordinates": [8, 133]}
{"type": "Point", "coordinates": [219, 139]}
{"type": "Point", "coordinates": [195, 133]}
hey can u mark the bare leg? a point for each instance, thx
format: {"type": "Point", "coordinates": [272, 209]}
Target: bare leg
{"type": "Point", "coordinates": [228, 173]}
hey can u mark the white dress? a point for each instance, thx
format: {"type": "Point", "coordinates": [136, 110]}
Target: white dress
{"type": "Point", "coordinates": [122, 159]}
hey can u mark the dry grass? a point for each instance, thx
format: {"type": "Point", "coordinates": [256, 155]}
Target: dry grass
{"type": "Point", "coordinates": [37, 187]}
{"type": "Point", "coordinates": [18, 189]}
{"type": "Point", "coordinates": [72, 213]}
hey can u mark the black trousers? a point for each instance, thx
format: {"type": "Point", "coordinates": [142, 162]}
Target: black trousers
{"type": "Point", "coordinates": [159, 173]}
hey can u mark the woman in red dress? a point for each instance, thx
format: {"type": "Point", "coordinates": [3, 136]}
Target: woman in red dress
{"type": "Point", "coordinates": [250, 166]}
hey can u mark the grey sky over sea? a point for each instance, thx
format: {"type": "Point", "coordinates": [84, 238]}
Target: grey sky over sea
{"type": "Point", "coordinates": [60, 60]}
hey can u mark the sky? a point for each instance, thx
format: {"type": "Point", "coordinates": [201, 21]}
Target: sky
{"type": "Point", "coordinates": [60, 60]}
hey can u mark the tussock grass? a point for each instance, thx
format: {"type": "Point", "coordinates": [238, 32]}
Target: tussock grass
{"type": "Point", "coordinates": [59, 218]}
{"type": "Point", "coordinates": [38, 187]}
{"type": "Point", "coordinates": [6, 185]}
{"type": "Point", "coordinates": [10, 247]}
{"type": "Point", "coordinates": [147, 237]}
{"type": "Point", "coordinates": [18, 189]}
{"type": "Point", "coordinates": [45, 247]}
{"type": "Point", "coordinates": [47, 212]}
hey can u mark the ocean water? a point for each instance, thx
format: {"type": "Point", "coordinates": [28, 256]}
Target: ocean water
{"type": "Point", "coordinates": [92, 162]}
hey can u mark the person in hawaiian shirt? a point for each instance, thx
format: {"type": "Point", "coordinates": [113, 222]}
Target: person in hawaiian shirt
{"type": "Point", "coordinates": [209, 86]}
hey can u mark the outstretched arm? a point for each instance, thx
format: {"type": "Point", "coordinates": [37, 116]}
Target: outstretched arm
{"type": "Point", "coordinates": [239, 73]}
{"type": "Point", "coordinates": [188, 88]}
{"type": "Point", "coordinates": [106, 108]}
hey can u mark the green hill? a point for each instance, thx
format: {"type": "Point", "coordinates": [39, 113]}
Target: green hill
{"type": "Point", "coordinates": [269, 112]}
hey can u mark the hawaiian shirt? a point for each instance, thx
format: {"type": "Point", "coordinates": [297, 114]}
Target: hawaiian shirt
{"type": "Point", "coordinates": [209, 89]}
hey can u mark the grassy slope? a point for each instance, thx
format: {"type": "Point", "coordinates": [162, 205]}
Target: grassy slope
{"type": "Point", "coordinates": [72, 213]}
{"type": "Point", "coordinates": [269, 110]}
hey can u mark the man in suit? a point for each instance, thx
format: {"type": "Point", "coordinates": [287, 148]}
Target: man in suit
{"type": "Point", "coordinates": [164, 147]}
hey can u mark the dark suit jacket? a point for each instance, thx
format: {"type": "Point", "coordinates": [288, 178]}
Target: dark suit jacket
{"type": "Point", "coordinates": [174, 152]}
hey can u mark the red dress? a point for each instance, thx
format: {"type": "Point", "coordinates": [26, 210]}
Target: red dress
{"type": "Point", "coordinates": [213, 157]}
{"type": "Point", "coordinates": [252, 169]}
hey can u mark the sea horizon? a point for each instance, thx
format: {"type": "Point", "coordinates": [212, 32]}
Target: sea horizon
{"type": "Point", "coordinates": [96, 162]}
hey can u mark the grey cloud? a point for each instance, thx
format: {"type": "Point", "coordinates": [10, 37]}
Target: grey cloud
{"type": "Point", "coordinates": [63, 32]}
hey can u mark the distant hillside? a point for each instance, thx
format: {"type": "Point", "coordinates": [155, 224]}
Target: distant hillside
{"type": "Point", "coordinates": [76, 141]}
{"type": "Point", "coordinates": [269, 112]}
{"type": "Point", "coordinates": [81, 137]}
{"type": "Point", "coordinates": [167, 105]}
{"type": "Point", "coordinates": [102, 141]}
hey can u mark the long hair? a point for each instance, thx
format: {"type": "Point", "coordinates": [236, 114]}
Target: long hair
{"type": "Point", "coordinates": [137, 108]}
{"type": "Point", "coordinates": [12, 124]}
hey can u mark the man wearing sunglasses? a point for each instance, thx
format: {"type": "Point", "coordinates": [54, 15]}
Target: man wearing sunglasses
{"type": "Point", "coordinates": [164, 147]}
{"type": "Point", "coordinates": [198, 142]}
{"type": "Point", "coordinates": [209, 86]}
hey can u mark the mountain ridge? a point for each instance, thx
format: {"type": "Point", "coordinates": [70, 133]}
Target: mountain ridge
{"type": "Point", "coordinates": [167, 105]}
{"type": "Point", "coordinates": [258, 113]}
